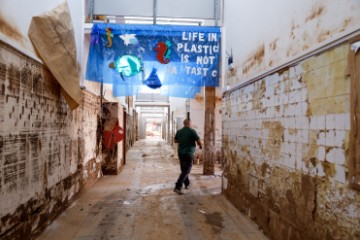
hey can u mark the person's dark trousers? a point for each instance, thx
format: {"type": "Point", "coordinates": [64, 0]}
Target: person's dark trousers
{"type": "Point", "coordinates": [186, 162]}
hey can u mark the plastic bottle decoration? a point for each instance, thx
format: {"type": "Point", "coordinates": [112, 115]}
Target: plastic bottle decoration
{"type": "Point", "coordinates": [127, 65]}
{"type": "Point", "coordinates": [153, 80]}
{"type": "Point", "coordinates": [163, 52]}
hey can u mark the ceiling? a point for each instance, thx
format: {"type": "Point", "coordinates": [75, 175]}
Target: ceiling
{"type": "Point", "coordinates": [174, 12]}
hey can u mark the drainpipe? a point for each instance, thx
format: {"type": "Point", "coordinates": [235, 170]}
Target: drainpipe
{"type": "Point", "coordinates": [91, 8]}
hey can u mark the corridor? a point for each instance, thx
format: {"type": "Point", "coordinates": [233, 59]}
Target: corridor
{"type": "Point", "coordinates": [140, 204]}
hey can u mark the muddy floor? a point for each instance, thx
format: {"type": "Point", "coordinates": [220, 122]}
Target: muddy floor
{"type": "Point", "coordinates": [140, 204]}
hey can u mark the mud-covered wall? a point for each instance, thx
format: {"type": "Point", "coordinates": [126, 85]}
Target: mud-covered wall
{"type": "Point", "coordinates": [131, 130]}
{"type": "Point", "coordinates": [47, 152]}
{"type": "Point", "coordinates": [112, 153]}
{"type": "Point", "coordinates": [16, 15]}
{"type": "Point", "coordinates": [286, 143]}
{"type": "Point", "coordinates": [264, 35]}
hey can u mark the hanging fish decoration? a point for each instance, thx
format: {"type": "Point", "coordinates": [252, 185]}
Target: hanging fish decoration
{"type": "Point", "coordinates": [127, 65]}
{"type": "Point", "coordinates": [163, 52]}
{"type": "Point", "coordinates": [109, 36]}
{"type": "Point", "coordinates": [153, 80]}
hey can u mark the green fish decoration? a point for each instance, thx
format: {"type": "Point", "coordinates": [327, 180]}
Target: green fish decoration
{"type": "Point", "coordinates": [127, 65]}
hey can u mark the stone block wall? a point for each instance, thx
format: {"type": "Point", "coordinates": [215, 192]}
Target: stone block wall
{"type": "Point", "coordinates": [285, 145]}
{"type": "Point", "coordinates": [47, 152]}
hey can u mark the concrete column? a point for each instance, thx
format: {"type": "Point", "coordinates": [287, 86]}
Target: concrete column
{"type": "Point", "coordinates": [209, 131]}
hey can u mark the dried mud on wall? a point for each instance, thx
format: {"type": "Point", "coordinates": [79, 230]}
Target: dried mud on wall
{"type": "Point", "coordinates": [130, 131]}
{"type": "Point", "coordinates": [311, 24]}
{"type": "Point", "coordinates": [44, 147]}
{"type": "Point", "coordinates": [285, 144]}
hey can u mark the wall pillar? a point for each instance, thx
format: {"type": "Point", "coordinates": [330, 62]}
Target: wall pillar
{"type": "Point", "coordinates": [209, 130]}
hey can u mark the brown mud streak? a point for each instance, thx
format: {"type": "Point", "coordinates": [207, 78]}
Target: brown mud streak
{"type": "Point", "coordinates": [315, 12]}
{"type": "Point", "coordinates": [256, 58]}
{"type": "Point", "coordinates": [9, 30]}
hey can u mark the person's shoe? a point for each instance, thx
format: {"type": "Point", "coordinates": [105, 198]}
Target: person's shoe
{"type": "Point", "coordinates": [187, 187]}
{"type": "Point", "coordinates": [178, 191]}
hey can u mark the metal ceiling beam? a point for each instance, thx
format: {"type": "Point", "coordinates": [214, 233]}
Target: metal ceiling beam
{"type": "Point", "coordinates": [91, 10]}
{"type": "Point", "coordinates": [154, 11]}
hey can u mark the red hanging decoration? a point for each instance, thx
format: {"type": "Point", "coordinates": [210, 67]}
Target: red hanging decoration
{"type": "Point", "coordinates": [113, 135]}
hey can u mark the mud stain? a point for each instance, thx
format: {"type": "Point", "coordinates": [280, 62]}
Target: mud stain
{"type": "Point", "coordinates": [315, 12]}
{"type": "Point", "coordinates": [255, 59]}
{"type": "Point", "coordinates": [305, 46]}
{"type": "Point", "coordinates": [218, 100]}
{"type": "Point", "coordinates": [308, 188]}
{"type": "Point", "coordinates": [199, 98]}
{"type": "Point", "coordinates": [9, 30]}
{"type": "Point", "coordinates": [264, 169]}
{"type": "Point", "coordinates": [216, 221]}
{"type": "Point", "coordinates": [14, 76]}
{"type": "Point", "coordinates": [313, 161]}
{"type": "Point", "coordinates": [289, 52]}
{"type": "Point", "coordinates": [329, 169]}
{"type": "Point", "coordinates": [228, 110]}
{"type": "Point", "coordinates": [305, 36]}
{"type": "Point", "coordinates": [233, 72]}
{"type": "Point", "coordinates": [293, 28]}
{"type": "Point", "coordinates": [258, 95]}
{"type": "Point", "coordinates": [323, 36]}
{"type": "Point", "coordinates": [345, 24]}
{"type": "Point", "coordinates": [276, 130]}
{"type": "Point", "coordinates": [273, 45]}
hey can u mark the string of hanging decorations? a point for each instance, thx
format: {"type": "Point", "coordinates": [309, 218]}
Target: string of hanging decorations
{"type": "Point", "coordinates": [177, 60]}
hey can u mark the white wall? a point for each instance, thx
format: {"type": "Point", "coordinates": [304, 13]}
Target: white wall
{"type": "Point", "coordinates": [197, 113]}
{"type": "Point", "coordinates": [263, 34]}
{"type": "Point", "coordinates": [178, 106]}
{"type": "Point", "coordinates": [18, 15]}
{"type": "Point", "coordinates": [165, 8]}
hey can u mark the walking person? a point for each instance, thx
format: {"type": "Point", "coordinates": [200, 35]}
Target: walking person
{"type": "Point", "coordinates": [187, 139]}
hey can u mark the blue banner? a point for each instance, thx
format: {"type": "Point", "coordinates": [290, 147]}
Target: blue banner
{"type": "Point", "coordinates": [154, 55]}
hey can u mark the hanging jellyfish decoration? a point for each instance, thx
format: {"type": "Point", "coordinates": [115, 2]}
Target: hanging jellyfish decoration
{"type": "Point", "coordinates": [109, 36]}
{"type": "Point", "coordinates": [127, 65]}
{"type": "Point", "coordinates": [153, 80]}
{"type": "Point", "coordinates": [163, 52]}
